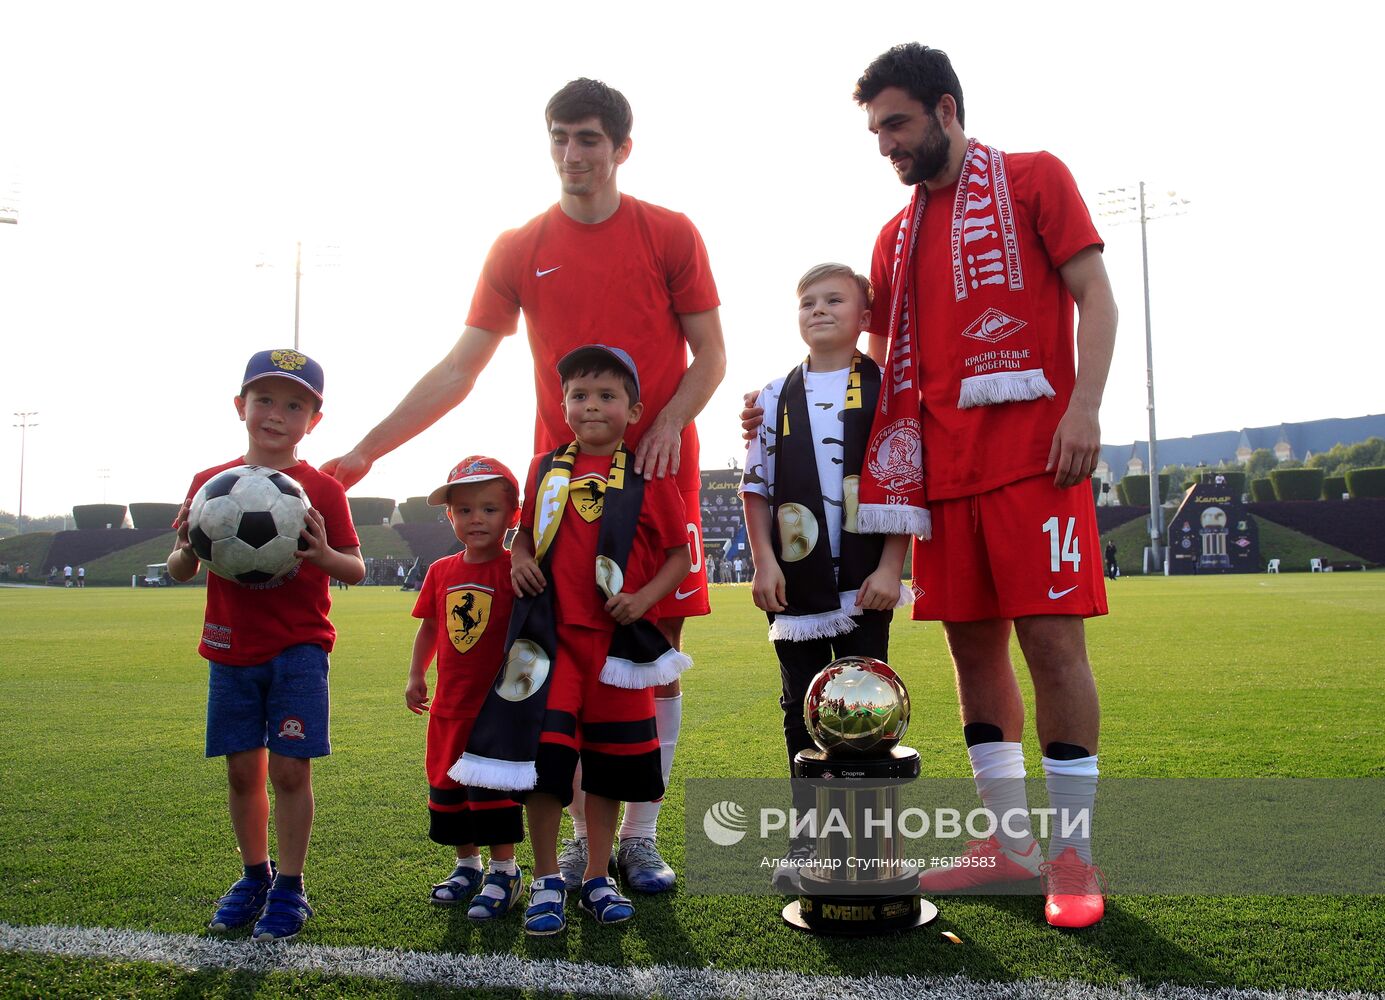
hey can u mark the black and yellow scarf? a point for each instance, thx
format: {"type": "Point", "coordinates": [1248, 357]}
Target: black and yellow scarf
{"type": "Point", "coordinates": [820, 603]}
{"type": "Point", "coordinates": [505, 739]}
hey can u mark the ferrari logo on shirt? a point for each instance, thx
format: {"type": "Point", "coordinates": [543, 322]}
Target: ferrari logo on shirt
{"type": "Point", "coordinates": [587, 495]}
{"type": "Point", "coordinates": [468, 614]}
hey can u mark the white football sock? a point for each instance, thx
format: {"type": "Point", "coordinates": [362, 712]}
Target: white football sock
{"type": "Point", "coordinates": [473, 862]}
{"type": "Point", "coordinates": [578, 808]}
{"type": "Point", "coordinates": [1072, 792]}
{"type": "Point", "coordinates": [999, 772]}
{"type": "Point", "coordinates": [642, 818]}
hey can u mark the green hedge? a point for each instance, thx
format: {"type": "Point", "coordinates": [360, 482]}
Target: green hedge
{"type": "Point", "coordinates": [153, 515]}
{"type": "Point", "coordinates": [415, 510]}
{"type": "Point", "coordinates": [370, 510]}
{"type": "Point", "coordinates": [1261, 490]}
{"type": "Point", "coordinates": [1297, 484]}
{"type": "Point", "coordinates": [1134, 490]}
{"type": "Point", "coordinates": [98, 515]}
{"type": "Point", "coordinates": [1333, 487]}
{"type": "Point", "coordinates": [1366, 482]}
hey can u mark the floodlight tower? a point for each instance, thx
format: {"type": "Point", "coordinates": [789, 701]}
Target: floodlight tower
{"type": "Point", "coordinates": [1122, 205]}
{"type": "Point", "coordinates": [25, 422]}
{"type": "Point", "coordinates": [326, 257]}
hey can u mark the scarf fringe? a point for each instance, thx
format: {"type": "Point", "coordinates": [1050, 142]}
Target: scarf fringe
{"type": "Point", "coordinates": [1004, 387]}
{"type": "Point", "coordinates": [622, 673]}
{"type": "Point", "coordinates": [488, 772]}
{"type": "Point", "coordinates": [827, 624]}
{"type": "Point", "coordinates": [894, 519]}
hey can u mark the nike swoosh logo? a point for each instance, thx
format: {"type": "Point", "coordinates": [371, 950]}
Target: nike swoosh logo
{"type": "Point", "coordinates": [679, 595]}
{"type": "Point", "coordinates": [540, 274]}
{"type": "Point", "coordinates": [1062, 593]}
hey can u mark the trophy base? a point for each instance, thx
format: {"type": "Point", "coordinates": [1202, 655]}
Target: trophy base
{"type": "Point", "coordinates": [859, 916]}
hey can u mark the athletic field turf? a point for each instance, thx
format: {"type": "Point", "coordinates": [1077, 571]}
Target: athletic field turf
{"type": "Point", "coordinates": [112, 819]}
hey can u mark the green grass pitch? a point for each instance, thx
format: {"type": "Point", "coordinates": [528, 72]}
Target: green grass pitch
{"type": "Point", "coordinates": [112, 818]}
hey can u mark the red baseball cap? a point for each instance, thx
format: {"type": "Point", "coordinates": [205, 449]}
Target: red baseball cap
{"type": "Point", "coordinates": [473, 469]}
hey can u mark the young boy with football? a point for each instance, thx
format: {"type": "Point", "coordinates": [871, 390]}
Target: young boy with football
{"type": "Point", "coordinates": [464, 608]}
{"type": "Point", "coordinates": [267, 647]}
{"type": "Point", "coordinates": [828, 590]}
{"type": "Point", "coordinates": [598, 547]}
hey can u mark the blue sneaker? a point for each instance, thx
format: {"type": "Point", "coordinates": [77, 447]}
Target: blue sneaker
{"type": "Point", "coordinates": [241, 905]}
{"type": "Point", "coordinates": [463, 881]}
{"type": "Point", "coordinates": [498, 895]}
{"type": "Point", "coordinates": [285, 913]}
{"type": "Point", "coordinates": [545, 916]}
{"type": "Point", "coordinates": [608, 907]}
{"type": "Point", "coordinates": [641, 867]}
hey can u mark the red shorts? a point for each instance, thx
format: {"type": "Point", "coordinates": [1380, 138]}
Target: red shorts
{"type": "Point", "coordinates": [1027, 548]}
{"type": "Point", "coordinates": [611, 728]}
{"type": "Point", "coordinates": [689, 598]}
{"type": "Point", "coordinates": [458, 814]}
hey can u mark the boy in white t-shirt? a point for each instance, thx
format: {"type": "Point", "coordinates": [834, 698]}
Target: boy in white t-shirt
{"type": "Point", "coordinates": [828, 590]}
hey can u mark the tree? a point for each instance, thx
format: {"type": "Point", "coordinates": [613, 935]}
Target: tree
{"type": "Point", "coordinates": [1261, 462]}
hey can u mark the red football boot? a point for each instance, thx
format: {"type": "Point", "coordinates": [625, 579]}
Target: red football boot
{"type": "Point", "coordinates": [985, 862]}
{"type": "Point", "coordinates": [1072, 891]}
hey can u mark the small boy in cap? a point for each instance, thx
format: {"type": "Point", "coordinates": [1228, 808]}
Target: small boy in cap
{"type": "Point", "coordinates": [464, 608]}
{"type": "Point", "coordinates": [266, 647]}
{"type": "Point", "coordinates": [598, 547]}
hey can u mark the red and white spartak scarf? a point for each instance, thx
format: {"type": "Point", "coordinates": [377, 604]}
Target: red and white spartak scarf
{"type": "Point", "coordinates": [986, 271]}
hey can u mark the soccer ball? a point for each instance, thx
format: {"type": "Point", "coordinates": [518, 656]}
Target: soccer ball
{"type": "Point", "coordinates": [245, 524]}
{"type": "Point", "coordinates": [856, 705]}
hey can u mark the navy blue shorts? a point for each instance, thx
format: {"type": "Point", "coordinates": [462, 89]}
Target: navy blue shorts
{"type": "Point", "coordinates": [281, 704]}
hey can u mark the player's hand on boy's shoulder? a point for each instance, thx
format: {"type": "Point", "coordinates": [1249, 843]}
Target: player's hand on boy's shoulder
{"type": "Point", "coordinates": [752, 416]}
{"type": "Point", "coordinates": [525, 575]}
{"type": "Point", "coordinates": [767, 587]}
{"type": "Point", "coordinates": [348, 469]}
{"type": "Point", "coordinates": [416, 694]}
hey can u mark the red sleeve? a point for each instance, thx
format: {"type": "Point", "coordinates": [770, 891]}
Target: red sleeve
{"type": "Point", "coordinates": [427, 594]}
{"type": "Point", "coordinates": [495, 303]}
{"type": "Point", "coordinates": [881, 264]}
{"type": "Point", "coordinates": [1060, 215]}
{"type": "Point", "coordinates": [531, 488]}
{"type": "Point", "coordinates": [688, 270]}
{"type": "Point", "coordinates": [667, 516]}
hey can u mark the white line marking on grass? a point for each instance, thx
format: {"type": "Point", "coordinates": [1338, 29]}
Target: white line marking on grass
{"type": "Point", "coordinates": [497, 971]}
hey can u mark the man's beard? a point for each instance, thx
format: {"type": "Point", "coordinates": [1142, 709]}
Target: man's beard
{"type": "Point", "coordinates": [930, 157]}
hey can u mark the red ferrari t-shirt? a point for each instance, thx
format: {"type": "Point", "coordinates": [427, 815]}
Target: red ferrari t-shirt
{"type": "Point", "coordinates": [971, 451]}
{"type": "Point", "coordinates": [471, 603]}
{"type": "Point", "coordinates": [572, 569]}
{"type": "Point", "coordinates": [622, 282]}
{"type": "Point", "coordinates": [246, 625]}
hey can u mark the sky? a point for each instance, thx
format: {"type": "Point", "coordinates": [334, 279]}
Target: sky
{"type": "Point", "coordinates": [164, 159]}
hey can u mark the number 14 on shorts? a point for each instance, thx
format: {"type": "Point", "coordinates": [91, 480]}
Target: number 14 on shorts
{"type": "Point", "coordinates": [1064, 550]}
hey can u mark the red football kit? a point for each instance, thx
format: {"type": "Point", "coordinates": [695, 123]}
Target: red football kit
{"type": "Point", "coordinates": [991, 554]}
{"type": "Point", "coordinates": [471, 604]}
{"type": "Point", "coordinates": [250, 624]}
{"type": "Point", "coordinates": [621, 282]}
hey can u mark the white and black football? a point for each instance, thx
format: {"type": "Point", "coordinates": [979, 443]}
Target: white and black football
{"type": "Point", "coordinates": [246, 523]}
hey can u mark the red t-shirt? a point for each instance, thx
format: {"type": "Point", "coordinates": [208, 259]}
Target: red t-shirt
{"type": "Point", "coordinates": [970, 451]}
{"type": "Point", "coordinates": [246, 625]}
{"type": "Point", "coordinates": [572, 569]}
{"type": "Point", "coordinates": [471, 603]}
{"type": "Point", "coordinates": [622, 282]}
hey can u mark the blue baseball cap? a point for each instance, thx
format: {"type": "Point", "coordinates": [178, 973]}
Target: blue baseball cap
{"type": "Point", "coordinates": [287, 363]}
{"type": "Point", "coordinates": [576, 360]}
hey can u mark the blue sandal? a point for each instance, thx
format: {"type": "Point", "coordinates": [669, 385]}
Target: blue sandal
{"type": "Point", "coordinates": [545, 915]}
{"type": "Point", "coordinates": [488, 907]}
{"type": "Point", "coordinates": [610, 908]}
{"type": "Point", "coordinates": [463, 881]}
{"type": "Point", "coordinates": [242, 903]}
{"type": "Point", "coordinates": [285, 913]}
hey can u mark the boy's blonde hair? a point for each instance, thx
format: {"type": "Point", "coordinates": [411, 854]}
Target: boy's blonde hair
{"type": "Point", "coordinates": [831, 270]}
